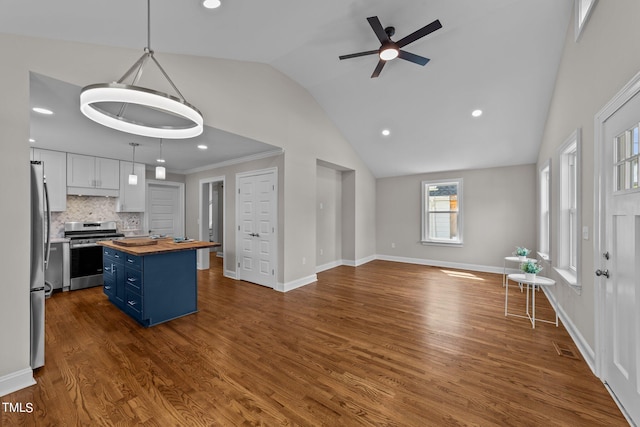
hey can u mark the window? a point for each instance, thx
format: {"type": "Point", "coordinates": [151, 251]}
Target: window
{"type": "Point", "coordinates": [569, 213]}
{"type": "Point", "coordinates": [544, 210]}
{"type": "Point", "coordinates": [442, 212]}
{"type": "Point", "coordinates": [627, 156]}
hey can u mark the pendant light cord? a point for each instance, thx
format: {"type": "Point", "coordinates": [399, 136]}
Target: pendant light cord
{"type": "Point", "coordinates": [149, 25]}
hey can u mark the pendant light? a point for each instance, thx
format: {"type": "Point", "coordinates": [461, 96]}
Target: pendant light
{"type": "Point", "coordinates": [133, 178]}
{"type": "Point", "coordinates": [106, 103]}
{"type": "Point", "coordinates": [161, 172]}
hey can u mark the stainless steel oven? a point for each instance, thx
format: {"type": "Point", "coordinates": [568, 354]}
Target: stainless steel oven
{"type": "Point", "coordinates": [85, 257]}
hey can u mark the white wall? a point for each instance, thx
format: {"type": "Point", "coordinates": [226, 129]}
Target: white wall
{"type": "Point", "coordinates": [249, 99]}
{"type": "Point", "coordinates": [591, 72]}
{"type": "Point", "coordinates": [498, 210]}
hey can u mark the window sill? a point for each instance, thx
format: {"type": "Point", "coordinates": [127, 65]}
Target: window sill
{"type": "Point", "coordinates": [568, 276]}
{"type": "Point", "coordinates": [438, 243]}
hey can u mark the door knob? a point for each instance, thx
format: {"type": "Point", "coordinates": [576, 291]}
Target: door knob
{"type": "Point", "coordinates": [604, 273]}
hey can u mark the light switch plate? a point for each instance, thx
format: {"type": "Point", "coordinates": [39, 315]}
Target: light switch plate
{"type": "Point", "coordinates": [585, 233]}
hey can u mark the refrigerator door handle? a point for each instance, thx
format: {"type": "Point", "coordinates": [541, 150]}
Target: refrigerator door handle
{"type": "Point", "coordinates": [47, 234]}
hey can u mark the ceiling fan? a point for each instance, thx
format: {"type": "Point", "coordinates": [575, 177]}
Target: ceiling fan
{"type": "Point", "coordinates": [389, 49]}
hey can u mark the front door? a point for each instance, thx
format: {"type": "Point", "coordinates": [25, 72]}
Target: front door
{"type": "Point", "coordinates": [619, 268]}
{"type": "Point", "coordinates": [257, 220]}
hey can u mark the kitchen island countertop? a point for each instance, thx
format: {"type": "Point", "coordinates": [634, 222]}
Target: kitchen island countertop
{"type": "Point", "coordinates": [163, 245]}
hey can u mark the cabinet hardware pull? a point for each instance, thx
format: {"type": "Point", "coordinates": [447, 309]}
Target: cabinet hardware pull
{"type": "Point", "coordinates": [107, 287]}
{"type": "Point", "coordinates": [131, 303]}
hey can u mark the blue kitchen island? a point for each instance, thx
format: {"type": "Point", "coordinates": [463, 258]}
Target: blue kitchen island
{"type": "Point", "coordinates": [152, 281]}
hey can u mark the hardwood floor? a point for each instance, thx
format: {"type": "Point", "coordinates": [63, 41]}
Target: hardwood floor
{"type": "Point", "coordinates": [381, 344]}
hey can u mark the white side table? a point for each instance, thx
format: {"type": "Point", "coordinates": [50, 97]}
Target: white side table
{"type": "Point", "coordinates": [532, 285]}
{"type": "Point", "coordinates": [512, 259]}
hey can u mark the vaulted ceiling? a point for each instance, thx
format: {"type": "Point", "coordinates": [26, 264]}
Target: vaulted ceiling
{"type": "Point", "coordinates": [500, 56]}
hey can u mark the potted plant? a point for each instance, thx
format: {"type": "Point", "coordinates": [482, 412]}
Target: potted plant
{"type": "Point", "coordinates": [530, 269]}
{"type": "Point", "coordinates": [521, 253]}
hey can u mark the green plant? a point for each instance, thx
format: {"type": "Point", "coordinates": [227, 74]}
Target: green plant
{"type": "Point", "coordinates": [521, 251]}
{"type": "Point", "coordinates": [531, 267]}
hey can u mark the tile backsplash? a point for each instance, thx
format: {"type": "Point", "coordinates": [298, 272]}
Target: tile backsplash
{"type": "Point", "coordinates": [90, 208]}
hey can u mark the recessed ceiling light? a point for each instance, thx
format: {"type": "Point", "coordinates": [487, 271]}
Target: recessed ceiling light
{"type": "Point", "coordinates": [386, 132]}
{"type": "Point", "coordinates": [211, 4]}
{"type": "Point", "coordinates": [32, 140]}
{"type": "Point", "coordinates": [476, 113]}
{"type": "Point", "coordinates": [202, 147]}
{"type": "Point", "coordinates": [42, 111]}
{"type": "Point", "coordinates": [160, 160]}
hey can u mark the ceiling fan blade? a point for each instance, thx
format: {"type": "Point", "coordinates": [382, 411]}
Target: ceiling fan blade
{"type": "Point", "coordinates": [427, 29]}
{"type": "Point", "coordinates": [412, 57]}
{"type": "Point", "coordinates": [377, 28]}
{"type": "Point", "coordinates": [355, 55]}
{"type": "Point", "coordinates": [378, 69]}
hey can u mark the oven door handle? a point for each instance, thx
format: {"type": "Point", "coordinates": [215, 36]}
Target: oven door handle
{"type": "Point", "coordinates": [82, 245]}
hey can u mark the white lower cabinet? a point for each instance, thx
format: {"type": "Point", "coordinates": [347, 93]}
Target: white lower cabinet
{"type": "Point", "coordinates": [132, 198]}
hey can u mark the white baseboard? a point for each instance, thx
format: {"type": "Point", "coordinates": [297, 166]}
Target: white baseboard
{"type": "Point", "coordinates": [445, 264]}
{"type": "Point", "coordinates": [16, 381]}
{"type": "Point", "coordinates": [231, 274]}
{"type": "Point", "coordinates": [329, 266]}
{"type": "Point", "coordinates": [347, 262]}
{"type": "Point", "coordinates": [588, 354]}
{"type": "Point", "coordinates": [285, 287]}
{"type": "Point", "coordinates": [359, 262]}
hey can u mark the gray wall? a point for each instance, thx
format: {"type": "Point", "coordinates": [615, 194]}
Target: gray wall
{"type": "Point", "coordinates": [499, 214]}
{"type": "Point", "coordinates": [592, 71]}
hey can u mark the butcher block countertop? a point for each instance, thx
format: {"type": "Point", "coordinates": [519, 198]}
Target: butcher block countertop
{"type": "Point", "coordinates": [146, 246]}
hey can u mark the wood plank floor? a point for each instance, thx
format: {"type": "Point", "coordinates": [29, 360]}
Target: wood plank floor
{"type": "Point", "coordinates": [382, 344]}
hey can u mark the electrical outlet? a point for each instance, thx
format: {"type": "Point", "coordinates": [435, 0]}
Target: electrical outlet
{"type": "Point", "coordinates": [321, 252]}
{"type": "Point", "coordinates": [304, 260]}
{"type": "Point", "coordinates": [393, 245]}
{"type": "Point", "coordinates": [585, 233]}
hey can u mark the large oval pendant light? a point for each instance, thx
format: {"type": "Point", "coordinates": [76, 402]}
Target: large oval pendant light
{"type": "Point", "coordinates": [151, 113]}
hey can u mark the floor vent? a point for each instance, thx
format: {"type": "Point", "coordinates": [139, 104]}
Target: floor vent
{"type": "Point", "coordinates": [564, 350]}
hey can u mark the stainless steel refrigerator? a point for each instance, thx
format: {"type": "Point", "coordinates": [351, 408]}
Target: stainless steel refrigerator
{"type": "Point", "coordinates": [40, 247]}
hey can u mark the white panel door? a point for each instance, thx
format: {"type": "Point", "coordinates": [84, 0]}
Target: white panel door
{"type": "Point", "coordinates": [620, 266]}
{"type": "Point", "coordinates": [164, 211]}
{"type": "Point", "coordinates": [257, 198]}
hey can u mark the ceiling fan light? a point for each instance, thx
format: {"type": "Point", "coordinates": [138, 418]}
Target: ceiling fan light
{"type": "Point", "coordinates": [387, 53]}
{"type": "Point", "coordinates": [211, 4]}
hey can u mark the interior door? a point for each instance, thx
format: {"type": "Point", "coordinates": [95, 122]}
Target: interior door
{"type": "Point", "coordinates": [164, 210]}
{"type": "Point", "coordinates": [620, 264]}
{"type": "Point", "coordinates": [257, 199]}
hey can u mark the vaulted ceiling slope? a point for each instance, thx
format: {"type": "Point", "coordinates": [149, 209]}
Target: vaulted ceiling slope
{"type": "Point", "coordinates": [500, 56]}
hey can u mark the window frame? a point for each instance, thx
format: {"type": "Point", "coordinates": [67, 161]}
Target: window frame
{"type": "Point", "coordinates": [425, 239]}
{"type": "Point", "coordinates": [569, 213]}
{"type": "Point", "coordinates": [544, 211]}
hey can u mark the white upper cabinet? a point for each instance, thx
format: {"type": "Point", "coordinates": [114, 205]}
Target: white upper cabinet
{"type": "Point", "coordinates": [92, 176]}
{"type": "Point", "coordinates": [132, 197]}
{"type": "Point", "coordinates": [55, 172]}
